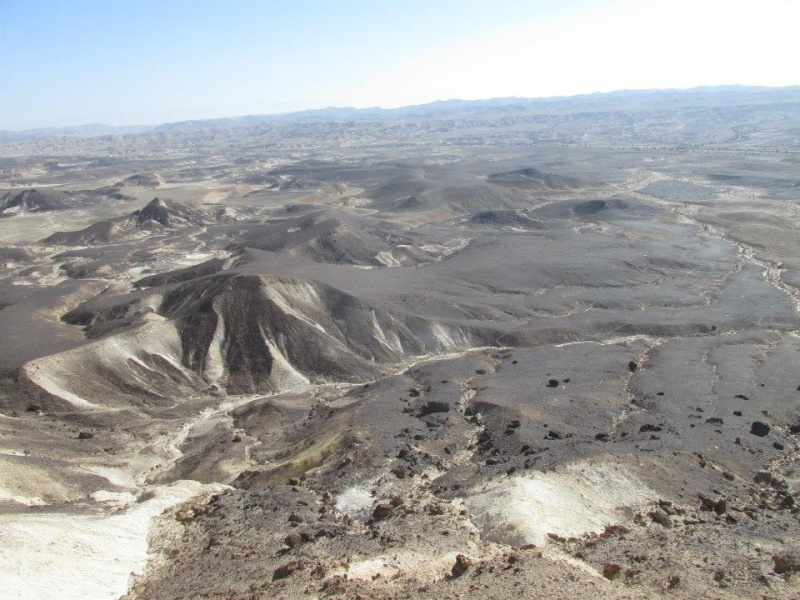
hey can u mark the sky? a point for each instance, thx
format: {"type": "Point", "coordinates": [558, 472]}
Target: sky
{"type": "Point", "coordinates": [124, 62]}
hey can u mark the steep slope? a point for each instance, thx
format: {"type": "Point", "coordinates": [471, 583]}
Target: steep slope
{"type": "Point", "coordinates": [32, 201]}
{"type": "Point", "coordinates": [241, 333]}
{"type": "Point", "coordinates": [534, 179]}
{"type": "Point", "coordinates": [337, 237]}
{"type": "Point", "coordinates": [157, 215]}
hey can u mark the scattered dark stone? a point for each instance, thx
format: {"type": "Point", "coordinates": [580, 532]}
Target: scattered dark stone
{"type": "Point", "coordinates": [764, 477]}
{"type": "Point", "coordinates": [737, 413]}
{"type": "Point", "coordinates": [399, 472]}
{"type": "Point", "coordinates": [382, 511]}
{"type": "Point", "coordinates": [794, 429]}
{"type": "Point", "coordinates": [760, 429]}
{"type": "Point", "coordinates": [611, 571]}
{"type": "Point", "coordinates": [295, 518]}
{"type": "Point", "coordinates": [433, 407]}
{"type": "Point", "coordinates": [33, 408]}
{"type": "Point", "coordinates": [741, 397]}
{"type": "Point", "coordinates": [236, 438]}
{"type": "Point", "coordinates": [602, 437]}
{"type": "Point", "coordinates": [649, 427]}
{"type": "Point", "coordinates": [567, 380]}
{"type": "Point", "coordinates": [787, 561]}
{"type": "Point", "coordinates": [514, 424]}
{"type": "Point", "coordinates": [633, 366]}
{"type": "Point", "coordinates": [719, 506]}
{"type": "Point", "coordinates": [292, 540]}
{"type": "Point", "coordinates": [462, 564]}
{"type": "Point", "coordinates": [308, 536]}
{"type": "Point", "coordinates": [554, 435]}
{"type": "Point", "coordinates": [674, 580]}
{"type": "Point", "coordinates": [85, 435]}
{"type": "Point", "coordinates": [284, 571]}
{"type": "Point", "coordinates": [714, 421]}
{"type": "Point", "coordinates": [618, 530]}
{"type": "Point", "coordinates": [777, 446]}
{"type": "Point", "coordinates": [552, 383]}
{"type": "Point", "coordinates": [719, 576]}
{"type": "Point", "coordinates": [413, 392]}
{"type": "Point", "coordinates": [659, 393]}
{"type": "Point", "coordinates": [513, 362]}
{"type": "Point", "coordinates": [660, 517]}
{"type": "Point", "coordinates": [480, 371]}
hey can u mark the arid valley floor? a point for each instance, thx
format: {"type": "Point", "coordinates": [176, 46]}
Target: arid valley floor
{"type": "Point", "coordinates": [514, 348]}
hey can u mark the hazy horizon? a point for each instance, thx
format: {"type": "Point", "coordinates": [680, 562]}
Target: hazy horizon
{"type": "Point", "coordinates": [121, 64]}
{"type": "Point", "coordinates": [331, 107]}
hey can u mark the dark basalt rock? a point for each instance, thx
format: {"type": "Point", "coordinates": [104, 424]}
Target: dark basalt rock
{"type": "Point", "coordinates": [787, 561]}
{"type": "Point", "coordinates": [433, 407]}
{"type": "Point", "coordinates": [382, 511]}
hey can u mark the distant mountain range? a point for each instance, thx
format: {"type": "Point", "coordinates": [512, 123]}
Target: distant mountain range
{"type": "Point", "coordinates": [637, 100]}
{"type": "Point", "coordinates": [77, 131]}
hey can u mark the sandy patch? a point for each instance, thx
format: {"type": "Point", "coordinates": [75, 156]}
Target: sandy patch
{"type": "Point", "coordinates": [64, 556]}
{"type": "Point", "coordinates": [355, 501]}
{"type": "Point", "coordinates": [583, 498]}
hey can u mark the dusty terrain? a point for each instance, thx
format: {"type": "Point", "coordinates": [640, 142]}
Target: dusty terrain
{"type": "Point", "coordinates": [546, 349]}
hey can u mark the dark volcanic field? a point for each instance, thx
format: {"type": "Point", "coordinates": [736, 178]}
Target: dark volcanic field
{"type": "Point", "coordinates": [543, 349]}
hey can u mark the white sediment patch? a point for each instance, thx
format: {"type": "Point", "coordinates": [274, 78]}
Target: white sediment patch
{"type": "Point", "coordinates": [65, 374]}
{"type": "Point", "coordinates": [448, 341]}
{"type": "Point", "coordinates": [285, 376]}
{"type": "Point", "coordinates": [387, 338]}
{"type": "Point", "coordinates": [419, 565]}
{"type": "Point", "coordinates": [621, 340]}
{"type": "Point", "coordinates": [215, 362]}
{"type": "Point", "coordinates": [387, 259]}
{"type": "Point", "coordinates": [73, 557]}
{"type": "Point", "coordinates": [46, 374]}
{"type": "Point", "coordinates": [355, 501]}
{"type": "Point", "coordinates": [585, 497]}
{"type": "Point", "coordinates": [290, 298]}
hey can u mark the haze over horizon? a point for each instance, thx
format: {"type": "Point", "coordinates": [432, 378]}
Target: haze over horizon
{"type": "Point", "coordinates": [151, 62]}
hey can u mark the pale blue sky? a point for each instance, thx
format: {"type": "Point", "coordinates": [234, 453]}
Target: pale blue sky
{"type": "Point", "coordinates": [70, 62]}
